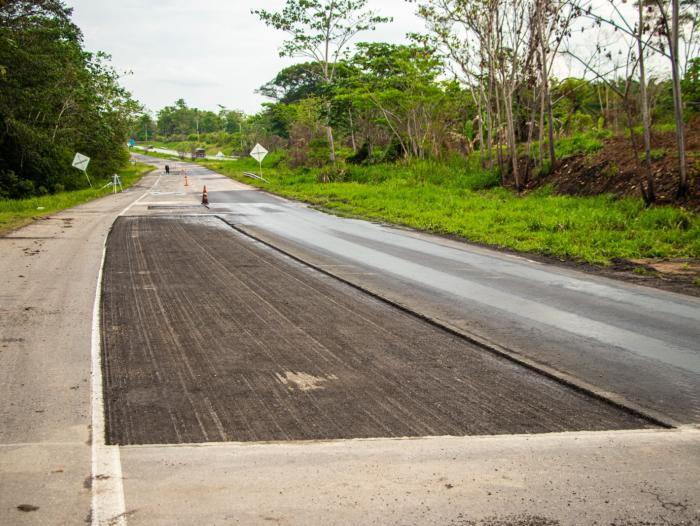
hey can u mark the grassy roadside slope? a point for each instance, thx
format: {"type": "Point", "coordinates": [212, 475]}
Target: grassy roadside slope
{"type": "Point", "coordinates": [452, 199]}
{"type": "Point", "coordinates": [15, 213]}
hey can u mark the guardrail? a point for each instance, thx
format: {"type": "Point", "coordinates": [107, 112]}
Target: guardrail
{"type": "Point", "coordinates": [254, 176]}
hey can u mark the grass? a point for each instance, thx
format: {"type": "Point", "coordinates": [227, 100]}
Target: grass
{"type": "Point", "coordinates": [457, 197]}
{"type": "Point", "coordinates": [656, 154]}
{"type": "Point", "coordinates": [15, 213]}
{"type": "Point", "coordinates": [447, 198]}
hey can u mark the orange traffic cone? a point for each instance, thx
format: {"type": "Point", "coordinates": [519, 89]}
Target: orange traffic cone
{"type": "Point", "coordinates": [205, 196]}
{"type": "Point", "coordinates": [187, 183]}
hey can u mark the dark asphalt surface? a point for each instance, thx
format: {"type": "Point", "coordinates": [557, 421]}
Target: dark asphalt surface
{"type": "Point", "coordinates": [643, 344]}
{"type": "Point", "coordinates": [639, 343]}
{"type": "Point", "coordinates": [209, 336]}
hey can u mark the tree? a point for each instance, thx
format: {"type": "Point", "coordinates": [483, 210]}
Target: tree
{"type": "Point", "coordinates": [294, 83]}
{"type": "Point", "coordinates": [55, 99]}
{"type": "Point", "coordinates": [401, 83]}
{"type": "Point", "coordinates": [668, 27]}
{"type": "Point", "coordinates": [319, 31]}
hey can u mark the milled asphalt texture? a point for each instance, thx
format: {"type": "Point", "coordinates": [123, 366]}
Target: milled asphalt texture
{"type": "Point", "coordinates": [208, 336]}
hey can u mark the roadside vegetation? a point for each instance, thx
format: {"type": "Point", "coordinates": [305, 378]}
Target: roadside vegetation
{"type": "Point", "coordinates": [15, 213]}
{"type": "Point", "coordinates": [460, 199]}
{"type": "Point", "coordinates": [465, 130]}
{"type": "Point", "coordinates": [56, 99]}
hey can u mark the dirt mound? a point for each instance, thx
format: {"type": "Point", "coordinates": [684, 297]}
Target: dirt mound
{"type": "Point", "coordinates": [616, 169]}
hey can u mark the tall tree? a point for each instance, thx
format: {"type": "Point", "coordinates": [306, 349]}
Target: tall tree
{"type": "Point", "coordinates": [320, 30]}
{"type": "Point", "coordinates": [55, 98]}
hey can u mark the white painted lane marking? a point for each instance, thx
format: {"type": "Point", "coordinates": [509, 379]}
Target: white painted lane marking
{"type": "Point", "coordinates": [108, 506]}
{"type": "Point", "coordinates": [141, 197]}
{"type": "Point", "coordinates": [108, 503]}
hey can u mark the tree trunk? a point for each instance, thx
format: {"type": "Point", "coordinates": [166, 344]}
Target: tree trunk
{"type": "Point", "coordinates": [530, 133]}
{"type": "Point", "coordinates": [648, 193]}
{"type": "Point", "coordinates": [510, 130]}
{"type": "Point", "coordinates": [547, 100]}
{"type": "Point", "coordinates": [331, 143]}
{"type": "Point", "coordinates": [352, 132]}
{"type": "Point", "coordinates": [499, 134]}
{"type": "Point", "coordinates": [489, 130]}
{"type": "Point", "coordinates": [678, 100]}
{"type": "Point", "coordinates": [540, 133]}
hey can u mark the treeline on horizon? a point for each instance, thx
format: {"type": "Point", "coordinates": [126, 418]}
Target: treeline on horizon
{"type": "Point", "coordinates": [56, 99]}
{"type": "Point", "coordinates": [478, 84]}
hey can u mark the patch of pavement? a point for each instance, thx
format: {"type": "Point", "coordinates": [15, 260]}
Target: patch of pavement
{"type": "Point", "coordinates": [209, 336]}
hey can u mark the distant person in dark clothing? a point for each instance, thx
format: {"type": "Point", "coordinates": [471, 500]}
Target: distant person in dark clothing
{"type": "Point", "coordinates": [167, 169]}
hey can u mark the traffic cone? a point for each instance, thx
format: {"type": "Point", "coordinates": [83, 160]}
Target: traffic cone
{"type": "Point", "coordinates": [187, 183]}
{"type": "Point", "coordinates": [205, 196]}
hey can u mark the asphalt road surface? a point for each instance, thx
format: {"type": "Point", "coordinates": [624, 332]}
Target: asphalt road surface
{"type": "Point", "coordinates": [209, 336]}
{"type": "Point", "coordinates": [638, 344]}
{"type": "Point", "coordinates": [162, 374]}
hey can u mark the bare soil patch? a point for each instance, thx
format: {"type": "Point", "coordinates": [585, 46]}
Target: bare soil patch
{"type": "Point", "coordinates": [616, 169]}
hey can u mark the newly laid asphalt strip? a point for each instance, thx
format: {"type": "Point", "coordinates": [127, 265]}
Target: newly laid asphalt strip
{"type": "Point", "coordinates": [208, 336]}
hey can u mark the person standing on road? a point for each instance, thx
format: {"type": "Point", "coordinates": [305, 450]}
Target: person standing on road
{"type": "Point", "coordinates": [167, 169]}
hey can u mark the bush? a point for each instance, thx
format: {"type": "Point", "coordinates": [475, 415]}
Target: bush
{"type": "Point", "coordinates": [332, 173]}
{"type": "Point", "coordinates": [362, 155]}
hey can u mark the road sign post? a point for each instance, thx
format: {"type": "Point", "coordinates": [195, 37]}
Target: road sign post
{"type": "Point", "coordinates": [116, 181]}
{"type": "Point", "coordinates": [258, 153]}
{"type": "Point", "coordinates": [81, 162]}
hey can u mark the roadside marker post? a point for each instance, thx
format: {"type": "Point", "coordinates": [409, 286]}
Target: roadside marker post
{"type": "Point", "coordinates": [116, 180]}
{"type": "Point", "coordinates": [81, 162]}
{"type": "Point", "coordinates": [258, 153]}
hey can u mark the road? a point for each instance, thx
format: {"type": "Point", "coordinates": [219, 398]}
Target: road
{"type": "Point", "coordinates": [641, 344]}
{"type": "Point", "coordinates": [205, 299]}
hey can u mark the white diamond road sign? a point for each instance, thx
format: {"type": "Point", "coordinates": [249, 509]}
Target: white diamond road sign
{"type": "Point", "coordinates": [258, 153]}
{"type": "Point", "coordinates": [81, 161]}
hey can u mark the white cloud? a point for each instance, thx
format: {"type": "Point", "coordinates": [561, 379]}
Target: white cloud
{"type": "Point", "coordinates": [208, 52]}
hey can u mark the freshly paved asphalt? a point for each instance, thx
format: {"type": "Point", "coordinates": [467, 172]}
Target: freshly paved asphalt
{"type": "Point", "coordinates": [209, 336]}
{"type": "Point", "coordinates": [639, 343]}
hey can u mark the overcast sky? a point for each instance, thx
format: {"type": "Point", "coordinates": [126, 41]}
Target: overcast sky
{"type": "Point", "coordinates": [208, 52]}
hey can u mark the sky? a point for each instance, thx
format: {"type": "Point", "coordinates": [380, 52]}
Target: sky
{"type": "Point", "coordinates": [208, 52]}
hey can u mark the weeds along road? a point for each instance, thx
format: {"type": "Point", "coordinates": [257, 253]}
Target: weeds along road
{"type": "Point", "coordinates": [245, 386]}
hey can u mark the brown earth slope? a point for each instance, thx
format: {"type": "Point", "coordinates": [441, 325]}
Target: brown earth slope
{"type": "Point", "coordinates": [617, 169]}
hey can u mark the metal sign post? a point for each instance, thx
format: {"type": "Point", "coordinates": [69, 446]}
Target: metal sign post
{"type": "Point", "coordinates": [258, 153]}
{"type": "Point", "coordinates": [116, 180]}
{"type": "Point", "coordinates": [81, 162]}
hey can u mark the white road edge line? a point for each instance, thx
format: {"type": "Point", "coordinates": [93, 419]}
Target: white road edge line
{"type": "Point", "coordinates": [108, 503]}
{"type": "Point", "coordinates": [108, 506]}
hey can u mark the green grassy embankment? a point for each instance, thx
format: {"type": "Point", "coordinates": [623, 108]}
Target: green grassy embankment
{"type": "Point", "coordinates": [15, 213]}
{"type": "Point", "coordinates": [460, 199]}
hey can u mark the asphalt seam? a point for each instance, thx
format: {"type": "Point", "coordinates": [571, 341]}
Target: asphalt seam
{"type": "Point", "coordinates": [562, 378]}
{"type": "Point", "coordinates": [570, 435]}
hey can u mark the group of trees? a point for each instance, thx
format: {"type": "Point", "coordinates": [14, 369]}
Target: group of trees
{"type": "Point", "coordinates": [56, 99]}
{"type": "Point", "coordinates": [183, 123]}
{"type": "Point", "coordinates": [481, 79]}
